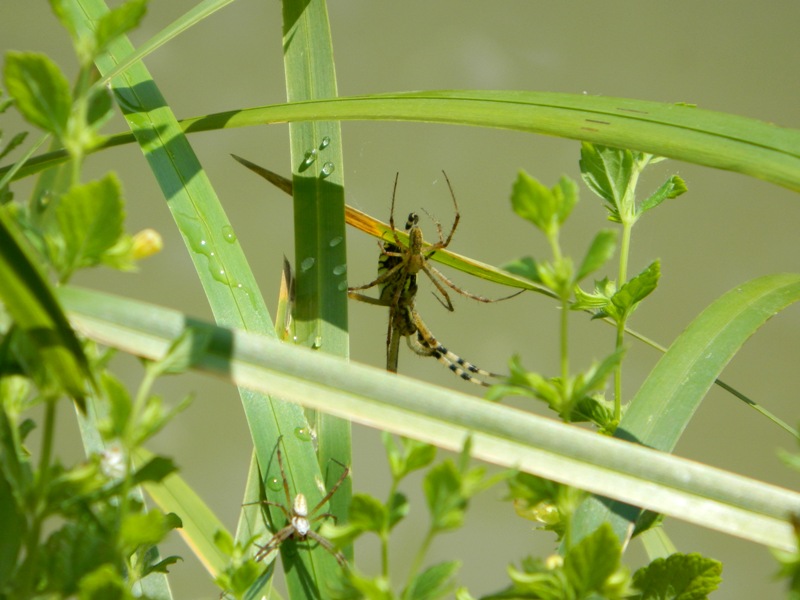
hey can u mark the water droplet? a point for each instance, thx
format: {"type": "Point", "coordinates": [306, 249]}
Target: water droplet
{"type": "Point", "coordinates": [335, 241]}
{"type": "Point", "coordinates": [303, 434]}
{"type": "Point", "coordinates": [342, 285]}
{"type": "Point", "coordinates": [326, 141]}
{"type": "Point", "coordinates": [310, 157]}
{"type": "Point", "coordinates": [228, 234]}
{"type": "Point", "coordinates": [328, 168]}
{"type": "Point", "coordinates": [307, 263]}
{"type": "Point", "coordinates": [339, 269]}
{"type": "Point", "coordinates": [275, 484]}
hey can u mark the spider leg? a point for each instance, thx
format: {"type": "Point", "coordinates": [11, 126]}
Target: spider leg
{"type": "Point", "coordinates": [457, 216]}
{"type": "Point", "coordinates": [434, 274]}
{"type": "Point", "coordinates": [330, 493]}
{"type": "Point", "coordinates": [328, 545]}
{"type": "Point", "coordinates": [274, 542]}
{"type": "Point", "coordinates": [381, 278]}
{"type": "Point", "coordinates": [429, 346]}
{"type": "Point", "coordinates": [283, 476]}
{"type": "Point", "coordinates": [392, 344]}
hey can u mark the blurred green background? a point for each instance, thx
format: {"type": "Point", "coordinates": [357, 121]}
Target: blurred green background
{"type": "Point", "coordinates": [733, 56]}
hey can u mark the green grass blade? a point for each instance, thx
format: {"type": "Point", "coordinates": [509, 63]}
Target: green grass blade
{"type": "Point", "coordinates": [320, 315]}
{"type": "Point", "coordinates": [221, 266]}
{"type": "Point", "coordinates": [200, 524]}
{"type": "Point", "coordinates": [693, 135]}
{"type": "Point", "coordinates": [502, 435]}
{"type": "Point", "coordinates": [189, 19]}
{"type": "Point", "coordinates": [29, 299]}
{"type": "Point", "coordinates": [672, 392]}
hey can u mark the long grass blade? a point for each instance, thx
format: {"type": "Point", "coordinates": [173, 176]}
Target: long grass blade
{"type": "Point", "coordinates": [694, 135]}
{"type": "Point", "coordinates": [320, 315]}
{"type": "Point", "coordinates": [614, 468]}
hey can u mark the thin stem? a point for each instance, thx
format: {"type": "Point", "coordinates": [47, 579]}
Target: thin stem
{"type": "Point", "coordinates": [420, 557]}
{"type": "Point", "coordinates": [620, 337]}
{"type": "Point", "coordinates": [564, 339]}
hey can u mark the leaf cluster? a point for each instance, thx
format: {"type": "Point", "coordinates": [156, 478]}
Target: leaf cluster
{"type": "Point", "coordinates": [448, 485]}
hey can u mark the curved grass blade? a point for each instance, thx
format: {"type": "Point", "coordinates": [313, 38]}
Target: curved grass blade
{"type": "Point", "coordinates": [631, 473]}
{"type": "Point", "coordinates": [672, 392]}
{"type": "Point", "coordinates": [681, 132]}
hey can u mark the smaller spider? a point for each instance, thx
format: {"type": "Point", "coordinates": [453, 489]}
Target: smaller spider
{"type": "Point", "coordinates": [299, 519]}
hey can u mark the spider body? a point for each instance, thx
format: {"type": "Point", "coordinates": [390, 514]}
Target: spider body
{"type": "Point", "coordinates": [299, 519]}
{"type": "Point", "coordinates": [398, 267]}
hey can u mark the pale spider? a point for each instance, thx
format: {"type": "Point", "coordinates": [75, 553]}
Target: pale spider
{"type": "Point", "coordinates": [299, 519]}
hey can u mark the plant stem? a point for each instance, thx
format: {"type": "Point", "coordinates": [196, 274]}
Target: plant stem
{"type": "Point", "coordinates": [420, 557]}
{"type": "Point", "coordinates": [620, 338]}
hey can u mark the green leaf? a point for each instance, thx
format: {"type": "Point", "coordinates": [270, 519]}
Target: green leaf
{"type": "Point", "coordinates": [635, 290]}
{"type": "Point", "coordinates": [100, 110]}
{"type": "Point", "coordinates": [40, 89]}
{"type": "Point", "coordinates": [155, 470]}
{"type": "Point", "coordinates": [672, 188]}
{"type": "Point", "coordinates": [524, 267]}
{"type": "Point", "coordinates": [13, 143]}
{"type": "Point", "coordinates": [119, 403]}
{"type": "Point", "coordinates": [117, 22]}
{"type": "Point", "coordinates": [546, 208]}
{"type": "Point", "coordinates": [678, 577]}
{"type": "Point", "coordinates": [600, 251]}
{"type": "Point", "coordinates": [90, 217]}
{"type": "Point", "coordinates": [446, 504]}
{"type": "Point", "coordinates": [434, 582]}
{"type": "Point", "coordinates": [162, 565]}
{"type": "Point", "coordinates": [592, 561]}
{"type": "Point", "coordinates": [398, 506]}
{"type": "Point", "coordinates": [104, 583]}
{"type": "Point", "coordinates": [406, 455]}
{"type": "Point", "coordinates": [367, 513]}
{"type": "Point", "coordinates": [593, 380]}
{"type": "Point", "coordinates": [608, 173]}
{"type": "Point", "coordinates": [144, 529]}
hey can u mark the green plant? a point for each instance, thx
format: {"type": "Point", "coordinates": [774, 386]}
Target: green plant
{"type": "Point", "coordinates": [68, 225]}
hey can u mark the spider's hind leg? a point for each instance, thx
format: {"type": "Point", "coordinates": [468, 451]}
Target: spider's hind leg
{"type": "Point", "coordinates": [425, 344]}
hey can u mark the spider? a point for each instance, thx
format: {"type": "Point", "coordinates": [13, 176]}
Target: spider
{"type": "Point", "coordinates": [398, 266]}
{"type": "Point", "coordinates": [299, 519]}
{"type": "Point", "coordinates": [398, 263]}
